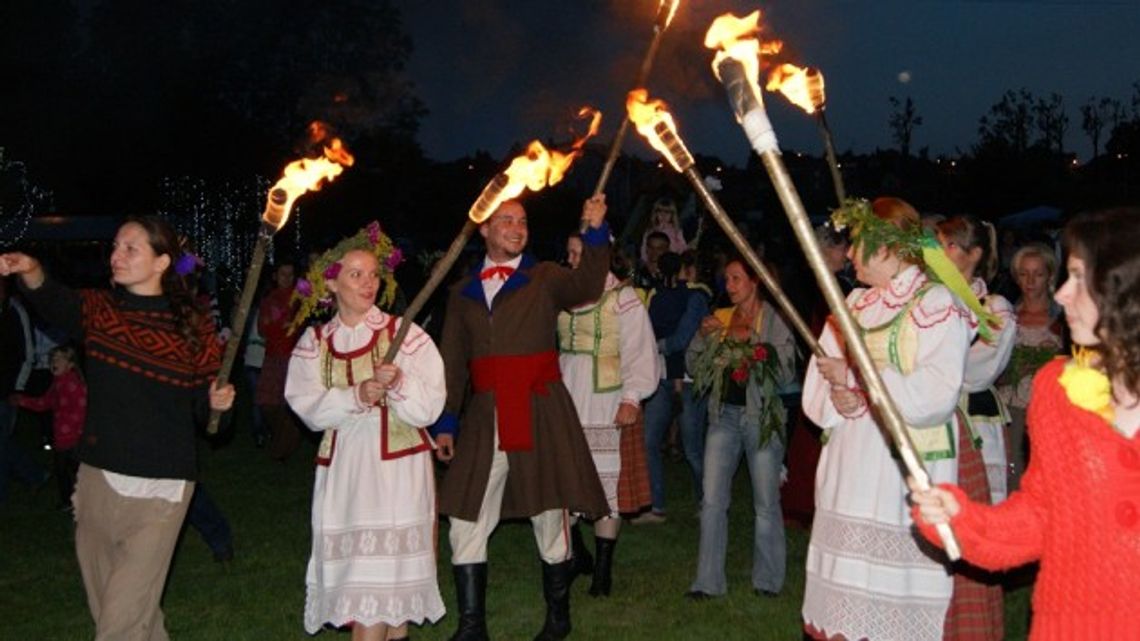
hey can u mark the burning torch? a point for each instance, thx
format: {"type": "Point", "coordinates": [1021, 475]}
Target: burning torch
{"type": "Point", "coordinates": [536, 169]}
{"type": "Point", "coordinates": [803, 87]}
{"type": "Point", "coordinates": [665, 12]}
{"type": "Point", "coordinates": [299, 177]}
{"type": "Point", "coordinates": [737, 66]}
{"type": "Point", "coordinates": [655, 123]}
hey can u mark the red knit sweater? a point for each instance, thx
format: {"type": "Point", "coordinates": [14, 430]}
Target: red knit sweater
{"type": "Point", "coordinates": [1078, 512]}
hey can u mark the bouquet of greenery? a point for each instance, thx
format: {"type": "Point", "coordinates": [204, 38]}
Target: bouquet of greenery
{"type": "Point", "coordinates": [730, 361]}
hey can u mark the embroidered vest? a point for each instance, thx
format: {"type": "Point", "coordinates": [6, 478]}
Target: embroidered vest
{"type": "Point", "coordinates": [595, 331]}
{"type": "Point", "coordinates": [895, 343]}
{"type": "Point", "coordinates": [397, 438]}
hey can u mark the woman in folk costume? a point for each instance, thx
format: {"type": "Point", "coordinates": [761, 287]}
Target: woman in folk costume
{"type": "Point", "coordinates": [373, 554]}
{"type": "Point", "coordinates": [976, 609]}
{"type": "Point", "coordinates": [867, 575]}
{"type": "Point", "coordinates": [972, 246]}
{"type": "Point", "coordinates": [608, 357]}
{"type": "Point", "coordinates": [739, 357]}
{"type": "Point", "coordinates": [1076, 510]}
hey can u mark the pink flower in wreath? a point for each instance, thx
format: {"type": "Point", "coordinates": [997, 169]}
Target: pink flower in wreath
{"type": "Point", "coordinates": [394, 259]}
{"type": "Point", "coordinates": [373, 230]}
{"type": "Point", "coordinates": [332, 271]}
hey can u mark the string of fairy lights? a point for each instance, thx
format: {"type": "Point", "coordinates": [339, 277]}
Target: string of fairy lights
{"type": "Point", "coordinates": [215, 216]}
{"type": "Point", "coordinates": [19, 199]}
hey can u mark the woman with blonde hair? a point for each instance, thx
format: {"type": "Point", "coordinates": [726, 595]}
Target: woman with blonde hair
{"type": "Point", "coordinates": [1037, 341]}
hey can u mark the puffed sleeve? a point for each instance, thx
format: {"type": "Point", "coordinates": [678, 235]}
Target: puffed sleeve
{"type": "Point", "coordinates": [419, 396]}
{"type": "Point", "coordinates": [928, 395]}
{"type": "Point", "coordinates": [986, 361]}
{"type": "Point", "coordinates": [320, 408]}
{"type": "Point", "coordinates": [639, 373]}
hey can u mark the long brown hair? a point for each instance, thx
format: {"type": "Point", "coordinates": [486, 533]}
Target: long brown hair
{"type": "Point", "coordinates": [899, 213]}
{"type": "Point", "coordinates": [188, 314]}
{"type": "Point", "coordinates": [1107, 241]}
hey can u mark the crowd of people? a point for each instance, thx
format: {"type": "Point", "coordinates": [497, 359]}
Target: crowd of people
{"type": "Point", "coordinates": [553, 392]}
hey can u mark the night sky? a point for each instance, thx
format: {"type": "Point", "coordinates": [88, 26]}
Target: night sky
{"type": "Point", "coordinates": [495, 73]}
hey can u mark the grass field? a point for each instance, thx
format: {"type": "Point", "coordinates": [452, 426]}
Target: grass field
{"type": "Point", "coordinates": [260, 595]}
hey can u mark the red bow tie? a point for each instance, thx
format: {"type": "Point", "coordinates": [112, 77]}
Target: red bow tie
{"type": "Point", "coordinates": [501, 272]}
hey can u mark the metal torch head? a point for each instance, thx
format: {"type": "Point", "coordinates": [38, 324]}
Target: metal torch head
{"type": "Point", "coordinates": [276, 208]}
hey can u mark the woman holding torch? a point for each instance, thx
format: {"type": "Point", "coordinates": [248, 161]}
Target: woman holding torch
{"type": "Point", "coordinates": [373, 552]}
{"type": "Point", "coordinates": [1076, 510]}
{"type": "Point", "coordinates": [867, 575]}
{"type": "Point", "coordinates": [151, 356]}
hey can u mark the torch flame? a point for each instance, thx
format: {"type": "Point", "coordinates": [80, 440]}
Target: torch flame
{"type": "Point", "coordinates": [668, 9]}
{"type": "Point", "coordinates": [535, 169]}
{"type": "Point", "coordinates": [307, 174]}
{"type": "Point", "coordinates": [652, 119]}
{"type": "Point", "coordinates": [803, 86]}
{"type": "Point", "coordinates": [739, 39]}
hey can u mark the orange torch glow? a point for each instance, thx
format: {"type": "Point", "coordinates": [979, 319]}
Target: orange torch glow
{"type": "Point", "coordinates": [306, 175]}
{"type": "Point", "coordinates": [739, 39]}
{"type": "Point", "coordinates": [802, 86]}
{"type": "Point", "coordinates": [655, 123]}
{"type": "Point", "coordinates": [535, 169]}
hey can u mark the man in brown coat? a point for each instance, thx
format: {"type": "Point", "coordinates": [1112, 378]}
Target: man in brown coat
{"type": "Point", "coordinates": [518, 447]}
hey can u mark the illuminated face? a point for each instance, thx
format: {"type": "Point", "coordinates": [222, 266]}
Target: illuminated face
{"type": "Point", "coordinates": [877, 270]}
{"type": "Point", "coordinates": [835, 256]}
{"type": "Point", "coordinates": [1081, 312]}
{"type": "Point", "coordinates": [740, 287]}
{"type": "Point", "coordinates": [505, 232]}
{"type": "Point", "coordinates": [59, 364]}
{"type": "Point", "coordinates": [285, 277]}
{"type": "Point", "coordinates": [574, 251]}
{"type": "Point", "coordinates": [1032, 276]}
{"type": "Point", "coordinates": [134, 265]}
{"type": "Point", "coordinates": [357, 284]}
{"type": "Point", "coordinates": [654, 249]}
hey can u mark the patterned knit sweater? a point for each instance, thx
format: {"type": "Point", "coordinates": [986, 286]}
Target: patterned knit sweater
{"type": "Point", "coordinates": [1078, 512]}
{"type": "Point", "coordinates": [146, 385]}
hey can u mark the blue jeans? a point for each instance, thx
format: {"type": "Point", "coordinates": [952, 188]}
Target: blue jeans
{"type": "Point", "coordinates": [694, 417]}
{"type": "Point", "coordinates": [658, 415]}
{"type": "Point", "coordinates": [729, 437]}
{"type": "Point", "coordinates": [205, 516]}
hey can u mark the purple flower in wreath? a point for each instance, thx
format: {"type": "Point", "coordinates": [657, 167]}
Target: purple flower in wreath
{"type": "Point", "coordinates": [304, 287]}
{"type": "Point", "coordinates": [187, 263]}
{"type": "Point", "coordinates": [394, 259]}
{"type": "Point", "coordinates": [332, 271]}
{"type": "Point", "coordinates": [373, 230]}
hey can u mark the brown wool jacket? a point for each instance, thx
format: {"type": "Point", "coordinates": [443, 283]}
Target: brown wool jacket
{"type": "Point", "coordinates": [558, 473]}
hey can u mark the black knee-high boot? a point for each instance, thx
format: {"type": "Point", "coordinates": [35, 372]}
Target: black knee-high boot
{"type": "Point", "coordinates": [603, 570]}
{"type": "Point", "coordinates": [582, 559]}
{"type": "Point", "coordinates": [471, 595]}
{"type": "Point", "coordinates": [556, 580]}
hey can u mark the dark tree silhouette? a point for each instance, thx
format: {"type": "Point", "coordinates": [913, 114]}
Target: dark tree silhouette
{"type": "Point", "coordinates": [904, 118]}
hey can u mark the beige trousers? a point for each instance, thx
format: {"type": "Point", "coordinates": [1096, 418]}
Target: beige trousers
{"type": "Point", "coordinates": [469, 538]}
{"type": "Point", "coordinates": [124, 546]}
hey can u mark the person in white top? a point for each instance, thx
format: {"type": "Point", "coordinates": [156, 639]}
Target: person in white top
{"type": "Point", "coordinates": [608, 357]}
{"type": "Point", "coordinates": [373, 561]}
{"type": "Point", "coordinates": [867, 576]}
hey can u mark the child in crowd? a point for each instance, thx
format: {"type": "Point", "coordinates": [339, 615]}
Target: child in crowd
{"type": "Point", "coordinates": [66, 399]}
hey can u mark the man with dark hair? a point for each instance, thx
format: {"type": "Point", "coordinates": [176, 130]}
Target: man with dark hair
{"type": "Point", "coordinates": [520, 451]}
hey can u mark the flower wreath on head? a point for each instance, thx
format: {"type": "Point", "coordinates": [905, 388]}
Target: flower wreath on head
{"type": "Point", "coordinates": [311, 293]}
{"type": "Point", "coordinates": [917, 244]}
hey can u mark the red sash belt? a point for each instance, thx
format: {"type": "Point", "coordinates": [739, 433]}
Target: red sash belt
{"type": "Point", "coordinates": [512, 379]}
